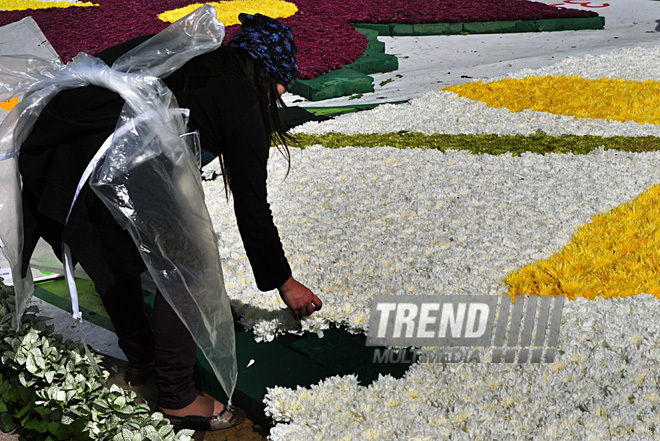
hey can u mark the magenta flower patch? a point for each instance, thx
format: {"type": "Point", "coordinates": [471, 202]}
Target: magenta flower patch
{"type": "Point", "coordinates": [325, 38]}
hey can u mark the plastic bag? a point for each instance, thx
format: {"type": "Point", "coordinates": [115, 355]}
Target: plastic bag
{"type": "Point", "coordinates": [166, 214]}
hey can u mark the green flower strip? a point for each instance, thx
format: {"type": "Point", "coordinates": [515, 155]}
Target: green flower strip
{"type": "Point", "coordinates": [539, 142]}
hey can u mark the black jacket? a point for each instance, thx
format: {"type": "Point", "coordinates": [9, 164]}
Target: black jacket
{"type": "Point", "coordinates": [74, 125]}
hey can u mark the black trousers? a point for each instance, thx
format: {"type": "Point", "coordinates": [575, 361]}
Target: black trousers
{"type": "Point", "coordinates": [166, 342]}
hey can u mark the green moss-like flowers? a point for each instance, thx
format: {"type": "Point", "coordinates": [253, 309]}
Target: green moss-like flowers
{"type": "Point", "coordinates": [539, 142]}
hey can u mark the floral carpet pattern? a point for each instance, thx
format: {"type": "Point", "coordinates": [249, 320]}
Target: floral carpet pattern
{"type": "Point", "coordinates": [322, 29]}
{"type": "Point", "coordinates": [358, 222]}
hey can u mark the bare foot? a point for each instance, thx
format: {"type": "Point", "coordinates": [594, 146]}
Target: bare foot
{"type": "Point", "coordinates": [202, 406]}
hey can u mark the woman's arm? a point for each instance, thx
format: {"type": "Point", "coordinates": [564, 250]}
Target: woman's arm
{"type": "Point", "coordinates": [246, 160]}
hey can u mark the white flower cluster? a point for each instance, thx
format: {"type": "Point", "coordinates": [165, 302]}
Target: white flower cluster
{"type": "Point", "coordinates": [604, 386]}
{"type": "Point", "coordinates": [359, 222]}
{"type": "Point", "coordinates": [635, 63]}
{"type": "Point", "coordinates": [446, 112]}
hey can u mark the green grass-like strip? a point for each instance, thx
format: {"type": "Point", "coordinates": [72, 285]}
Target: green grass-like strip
{"type": "Point", "coordinates": [539, 142]}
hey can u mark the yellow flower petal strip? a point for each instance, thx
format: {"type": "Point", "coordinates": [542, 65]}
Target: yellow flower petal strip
{"type": "Point", "coordinates": [21, 5]}
{"type": "Point", "coordinates": [615, 255]}
{"type": "Point", "coordinates": [228, 11]}
{"type": "Point", "coordinates": [614, 99]}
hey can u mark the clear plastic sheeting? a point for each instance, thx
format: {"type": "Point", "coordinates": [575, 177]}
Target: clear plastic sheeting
{"type": "Point", "coordinates": [148, 178]}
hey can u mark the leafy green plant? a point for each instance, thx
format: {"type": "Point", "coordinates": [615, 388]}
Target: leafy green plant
{"type": "Point", "coordinates": [50, 390]}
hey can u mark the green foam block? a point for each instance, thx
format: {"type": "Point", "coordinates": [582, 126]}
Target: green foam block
{"type": "Point", "coordinates": [372, 62]}
{"type": "Point", "coordinates": [424, 29]}
{"type": "Point", "coordinates": [292, 361]}
{"type": "Point", "coordinates": [337, 83]}
{"type": "Point", "coordinates": [371, 34]}
{"type": "Point", "coordinates": [490, 27]}
{"type": "Point", "coordinates": [376, 46]}
{"type": "Point", "coordinates": [526, 26]}
{"type": "Point", "coordinates": [382, 29]}
{"type": "Point", "coordinates": [272, 365]}
{"type": "Point", "coordinates": [570, 24]}
{"type": "Point", "coordinates": [343, 353]}
{"type": "Point", "coordinates": [401, 30]}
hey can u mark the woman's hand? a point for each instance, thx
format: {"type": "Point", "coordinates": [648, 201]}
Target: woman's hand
{"type": "Point", "coordinates": [299, 298]}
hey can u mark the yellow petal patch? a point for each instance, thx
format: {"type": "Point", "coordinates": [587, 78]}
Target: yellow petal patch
{"type": "Point", "coordinates": [615, 99]}
{"type": "Point", "coordinates": [21, 5]}
{"type": "Point", "coordinates": [228, 11]}
{"type": "Point", "coordinates": [615, 255]}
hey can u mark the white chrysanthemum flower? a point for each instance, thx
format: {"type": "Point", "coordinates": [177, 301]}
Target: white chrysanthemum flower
{"type": "Point", "coordinates": [361, 222]}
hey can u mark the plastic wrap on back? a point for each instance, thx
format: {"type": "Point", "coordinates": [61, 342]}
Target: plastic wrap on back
{"type": "Point", "coordinates": [148, 178]}
{"type": "Point", "coordinates": [168, 50]}
{"type": "Point", "coordinates": [150, 182]}
{"type": "Point", "coordinates": [37, 84]}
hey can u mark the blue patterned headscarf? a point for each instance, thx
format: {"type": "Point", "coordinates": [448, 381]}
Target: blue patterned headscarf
{"type": "Point", "coordinates": [271, 43]}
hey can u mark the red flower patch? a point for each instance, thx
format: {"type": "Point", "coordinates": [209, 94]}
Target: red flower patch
{"type": "Point", "coordinates": [325, 39]}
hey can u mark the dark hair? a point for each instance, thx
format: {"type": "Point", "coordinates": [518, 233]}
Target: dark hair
{"type": "Point", "coordinates": [263, 84]}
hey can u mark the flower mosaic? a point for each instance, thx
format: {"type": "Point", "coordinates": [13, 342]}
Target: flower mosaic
{"type": "Point", "coordinates": [610, 99]}
{"type": "Point", "coordinates": [358, 222]}
{"type": "Point", "coordinates": [325, 38]}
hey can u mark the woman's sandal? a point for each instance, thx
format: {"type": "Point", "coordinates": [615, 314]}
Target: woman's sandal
{"type": "Point", "coordinates": [229, 417]}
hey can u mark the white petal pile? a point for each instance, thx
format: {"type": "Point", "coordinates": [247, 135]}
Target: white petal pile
{"type": "Point", "coordinates": [446, 112]}
{"type": "Point", "coordinates": [358, 222]}
{"type": "Point", "coordinates": [635, 63]}
{"type": "Point", "coordinates": [605, 386]}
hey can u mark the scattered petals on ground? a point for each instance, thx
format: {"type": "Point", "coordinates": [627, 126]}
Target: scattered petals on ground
{"type": "Point", "coordinates": [445, 112]}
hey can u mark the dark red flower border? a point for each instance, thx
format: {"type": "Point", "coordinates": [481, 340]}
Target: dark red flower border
{"type": "Point", "coordinates": [325, 39]}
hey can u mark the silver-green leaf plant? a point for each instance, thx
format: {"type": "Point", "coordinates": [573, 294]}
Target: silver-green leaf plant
{"type": "Point", "coordinates": [51, 390]}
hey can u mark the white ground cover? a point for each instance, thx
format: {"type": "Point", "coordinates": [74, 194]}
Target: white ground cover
{"type": "Point", "coordinates": [446, 112]}
{"type": "Point", "coordinates": [603, 387]}
{"type": "Point", "coordinates": [358, 222]}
